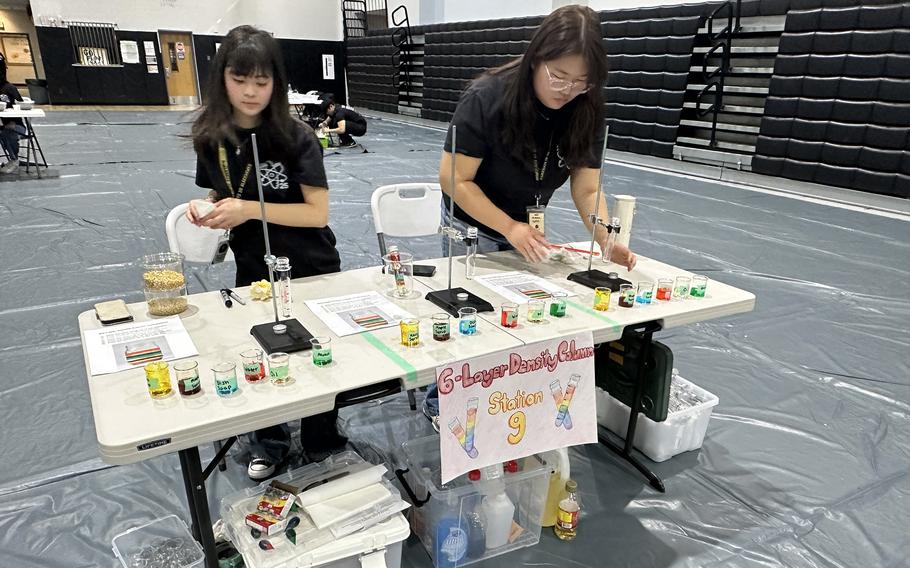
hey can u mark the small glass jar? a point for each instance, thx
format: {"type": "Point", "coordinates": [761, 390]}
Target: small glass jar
{"type": "Point", "coordinates": [253, 365]}
{"type": "Point", "coordinates": [225, 375]}
{"type": "Point", "coordinates": [509, 314]}
{"type": "Point", "coordinates": [626, 296]}
{"type": "Point", "coordinates": [410, 332]}
{"type": "Point", "coordinates": [601, 298]}
{"type": "Point", "coordinates": [187, 375]}
{"type": "Point", "coordinates": [536, 311]}
{"type": "Point", "coordinates": [467, 321]}
{"type": "Point", "coordinates": [558, 304]}
{"type": "Point", "coordinates": [699, 286]}
{"type": "Point", "coordinates": [158, 379]}
{"type": "Point", "coordinates": [441, 328]}
{"type": "Point", "coordinates": [322, 351]}
{"type": "Point", "coordinates": [279, 368]}
{"type": "Point", "coordinates": [164, 283]}
{"type": "Point", "coordinates": [645, 293]}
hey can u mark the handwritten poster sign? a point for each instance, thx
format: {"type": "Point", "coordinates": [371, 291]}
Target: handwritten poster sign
{"type": "Point", "coordinates": [516, 403]}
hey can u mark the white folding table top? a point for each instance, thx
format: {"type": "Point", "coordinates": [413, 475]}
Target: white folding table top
{"type": "Point", "coordinates": [31, 113]}
{"type": "Point", "coordinates": [127, 419]}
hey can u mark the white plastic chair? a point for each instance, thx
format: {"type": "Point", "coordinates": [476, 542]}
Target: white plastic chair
{"type": "Point", "coordinates": [406, 210]}
{"type": "Point", "coordinates": [196, 244]}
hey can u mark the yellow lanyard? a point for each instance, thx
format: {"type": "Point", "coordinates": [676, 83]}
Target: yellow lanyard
{"type": "Point", "coordinates": [226, 173]}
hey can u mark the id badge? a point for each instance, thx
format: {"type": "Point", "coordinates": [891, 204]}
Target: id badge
{"type": "Point", "coordinates": [224, 245]}
{"type": "Point", "coordinates": [536, 217]}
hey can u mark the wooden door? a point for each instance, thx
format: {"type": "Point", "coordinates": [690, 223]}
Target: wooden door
{"type": "Point", "coordinates": [179, 67]}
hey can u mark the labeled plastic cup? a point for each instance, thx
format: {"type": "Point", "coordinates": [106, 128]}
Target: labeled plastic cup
{"type": "Point", "coordinates": [253, 366]}
{"type": "Point", "coordinates": [645, 292]}
{"type": "Point", "coordinates": [508, 316]}
{"type": "Point", "coordinates": [225, 378]}
{"type": "Point", "coordinates": [467, 321]}
{"type": "Point", "coordinates": [601, 298]}
{"type": "Point", "coordinates": [626, 296]}
{"type": "Point", "coordinates": [158, 379]}
{"type": "Point", "coordinates": [410, 332]}
{"type": "Point", "coordinates": [322, 351]}
{"type": "Point", "coordinates": [441, 329]}
{"type": "Point", "coordinates": [699, 286]}
{"type": "Point", "coordinates": [187, 375]}
{"type": "Point", "coordinates": [664, 289]}
{"type": "Point", "coordinates": [279, 368]}
{"type": "Point", "coordinates": [558, 304]}
{"type": "Point", "coordinates": [681, 288]}
{"type": "Point", "coordinates": [399, 269]}
{"type": "Point", "coordinates": [536, 311]}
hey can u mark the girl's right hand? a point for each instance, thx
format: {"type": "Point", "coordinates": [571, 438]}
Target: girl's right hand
{"type": "Point", "coordinates": [531, 243]}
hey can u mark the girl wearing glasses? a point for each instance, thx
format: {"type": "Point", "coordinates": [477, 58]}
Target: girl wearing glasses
{"type": "Point", "coordinates": [523, 130]}
{"type": "Point", "coordinates": [527, 127]}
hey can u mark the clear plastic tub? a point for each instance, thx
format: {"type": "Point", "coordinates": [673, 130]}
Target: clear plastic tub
{"type": "Point", "coordinates": [163, 542]}
{"type": "Point", "coordinates": [445, 517]}
{"type": "Point", "coordinates": [683, 430]}
{"type": "Point", "coordinates": [374, 526]}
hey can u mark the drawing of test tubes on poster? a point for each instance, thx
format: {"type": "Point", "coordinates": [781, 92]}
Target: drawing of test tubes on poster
{"type": "Point", "coordinates": [567, 399]}
{"type": "Point", "coordinates": [459, 432]}
{"type": "Point", "coordinates": [556, 391]}
{"type": "Point", "coordinates": [470, 426]}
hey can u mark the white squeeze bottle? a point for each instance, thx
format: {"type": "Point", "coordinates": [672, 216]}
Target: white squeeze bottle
{"type": "Point", "coordinates": [498, 510]}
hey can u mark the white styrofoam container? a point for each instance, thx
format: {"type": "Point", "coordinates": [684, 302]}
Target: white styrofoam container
{"type": "Point", "coordinates": [682, 431]}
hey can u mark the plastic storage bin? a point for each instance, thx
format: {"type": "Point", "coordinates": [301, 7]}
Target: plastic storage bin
{"type": "Point", "coordinates": [157, 543]}
{"type": "Point", "coordinates": [444, 516]}
{"type": "Point", "coordinates": [682, 431]}
{"type": "Point", "coordinates": [380, 530]}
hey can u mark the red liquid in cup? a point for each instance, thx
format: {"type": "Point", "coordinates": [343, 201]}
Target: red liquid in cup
{"type": "Point", "coordinates": [664, 293]}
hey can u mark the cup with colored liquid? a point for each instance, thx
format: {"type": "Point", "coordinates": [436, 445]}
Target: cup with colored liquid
{"type": "Point", "coordinates": [441, 329]}
{"type": "Point", "coordinates": [279, 368]}
{"type": "Point", "coordinates": [699, 286]}
{"type": "Point", "coordinates": [508, 316]}
{"type": "Point", "coordinates": [536, 311]}
{"type": "Point", "coordinates": [225, 375]}
{"type": "Point", "coordinates": [681, 288]}
{"type": "Point", "coordinates": [187, 375]}
{"type": "Point", "coordinates": [253, 366]}
{"type": "Point", "coordinates": [645, 293]}
{"type": "Point", "coordinates": [467, 321]}
{"type": "Point", "coordinates": [664, 289]}
{"type": "Point", "coordinates": [158, 379]}
{"type": "Point", "coordinates": [626, 296]}
{"type": "Point", "coordinates": [601, 298]}
{"type": "Point", "coordinates": [399, 269]}
{"type": "Point", "coordinates": [322, 351]}
{"type": "Point", "coordinates": [410, 332]}
{"type": "Point", "coordinates": [558, 304]}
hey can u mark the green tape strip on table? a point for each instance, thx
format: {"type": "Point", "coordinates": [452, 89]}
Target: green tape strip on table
{"type": "Point", "coordinates": [595, 313]}
{"type": "Point", "coordinates": [410, 371]}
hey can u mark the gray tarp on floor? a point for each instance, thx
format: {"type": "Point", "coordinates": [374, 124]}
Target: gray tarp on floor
{"type": "Point", "coordinates": [806, 459]}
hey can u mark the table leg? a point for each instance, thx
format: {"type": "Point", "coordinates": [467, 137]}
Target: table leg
{"type": "Point", "coordinates": [40, 151]}
{"type": "Point", "coordinates": [198, 503]}
{"type": "Point", "coordinates": [625, 452]}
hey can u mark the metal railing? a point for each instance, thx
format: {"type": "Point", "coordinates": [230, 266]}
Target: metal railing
{"type": "Point", "coordinates": [361, 16]}
{"type": "Point", "coordinates": [94, 44]}
{"type": "Point", "coordinates": [715, 78]}
{"type": "Point", "coordinates": [401, 56]}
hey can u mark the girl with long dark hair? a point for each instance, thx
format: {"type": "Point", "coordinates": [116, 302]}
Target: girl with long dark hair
{"type": "Point", "coordinates": [246, 94]}
{"type": "Point", "coordinates": [523, 130]}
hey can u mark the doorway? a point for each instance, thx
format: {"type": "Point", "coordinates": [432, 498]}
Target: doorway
{"type": "Point", "coordinates": [179, 67]}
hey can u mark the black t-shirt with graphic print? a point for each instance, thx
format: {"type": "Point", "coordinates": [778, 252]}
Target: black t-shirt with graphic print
{"type": "Point", "coordinates": [310, 250]}
{"type": "Point", "coordinates": [510, 183]}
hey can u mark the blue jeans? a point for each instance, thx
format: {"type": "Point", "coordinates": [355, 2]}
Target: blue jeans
{"type": "Point", "coordinates": [485, 243]}
{"type": "Point", "coordinates": [9, 140]}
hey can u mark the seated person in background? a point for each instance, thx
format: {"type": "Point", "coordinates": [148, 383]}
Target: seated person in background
{"type": "Point", "coordinates": [342, 121]}
{"type": "Point", "coordinates": [12, 129]}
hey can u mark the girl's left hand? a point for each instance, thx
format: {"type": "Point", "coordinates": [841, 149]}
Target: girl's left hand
{"type": "Point", "coordinates": [228, 213]}
{"type": "Point", "coordinates": [622, 255]}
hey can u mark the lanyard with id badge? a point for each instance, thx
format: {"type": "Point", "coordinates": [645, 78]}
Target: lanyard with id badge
{"type": "Point", "coordinates": [537, 213]}
{"type": "Point", "coordinates": [224, 240]}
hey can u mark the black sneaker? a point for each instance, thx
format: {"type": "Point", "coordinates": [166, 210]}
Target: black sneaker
{"type": "Point", "coordinates": [433, 418]}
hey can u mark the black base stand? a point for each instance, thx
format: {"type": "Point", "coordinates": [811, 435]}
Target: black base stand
{"type": "Point", "coordinates": [297, 338]}
{"type": "Point", "coordinates": [625, 452]}
{"type": "Point", "coordinates": [448, 301]}
{"type": "Point", "coordinates": [595, 278]}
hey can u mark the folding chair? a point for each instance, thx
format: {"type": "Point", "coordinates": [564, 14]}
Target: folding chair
{"type": "Point", "coordinates": [406, 210]}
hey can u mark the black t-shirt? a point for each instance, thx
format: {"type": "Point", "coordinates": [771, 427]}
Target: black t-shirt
{"type": "Point", "coordinates": [310, 250]}
{"type": "Point", "coordinates": [510, 183]}
{"type": "Point", "coordinates": [347, 115]}
{"type": "Point", "coordinates": [12, 93]}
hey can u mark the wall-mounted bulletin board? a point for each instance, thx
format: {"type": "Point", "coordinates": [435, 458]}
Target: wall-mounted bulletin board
{"type": "Point", "coordinates": [20, 63]}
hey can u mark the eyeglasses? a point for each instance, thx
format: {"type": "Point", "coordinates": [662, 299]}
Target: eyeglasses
{"type": "Point", "coordinates": [577, 87]}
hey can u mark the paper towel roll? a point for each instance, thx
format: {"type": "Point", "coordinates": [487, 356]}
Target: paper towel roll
{"type": "Point", "coordinates": [346, 484]}
{"type": "Point", "coordinates": [624, 208]}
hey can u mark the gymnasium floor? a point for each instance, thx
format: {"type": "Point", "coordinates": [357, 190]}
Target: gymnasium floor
{"type": "Point", "coordinates": [807, 456]}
